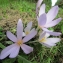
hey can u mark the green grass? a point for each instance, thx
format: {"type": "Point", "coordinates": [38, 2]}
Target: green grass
{"type": "Point", "coordinates": [41, 54]}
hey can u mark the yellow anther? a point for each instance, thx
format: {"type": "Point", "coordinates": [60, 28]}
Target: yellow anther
{"type": "Point", "coordinates": [26, 32]}
{"type": "Point", "coordinates": [43, 39]}
{"type": "Point", "coordinates": [20, 42]}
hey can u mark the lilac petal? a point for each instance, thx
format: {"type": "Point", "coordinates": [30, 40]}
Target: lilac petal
{"type": "Point", "coordinates": [29, 25]}
{"type": "Point", "coordinates": [46, 45]}
{"type": "Point", "coordinates": [24, 34]}
{"type": "Point", "coordinates": [52, 13]}
{"type": "Point", "coordinates": [19, 29]}
{"type": "Point", "coordinates": [47, 35]}
{"type": "Point", "coordinates": [53, 40]}
{"type": "Point", "coordinates": [53, 23]}
{"type": "Point", "coordinates": [42, 35]}
{"type": "Point", "coordinates": [27, 49]}
{"type": "Point", "coordinates": [14, 52]}
{"type": "Point", "coordinates": [38, 5]}
{"type": "Point", "coordinates": [27, 30]}
{"type": "Point", "coordinates": [42, 20]}
{"type": "Point", "coordinates": [11, 36]}
{"type": "Point", "coordinates": [42, 9]}
{"type": "Point", "coordinates": [5, 52]}
{"type": "Point", "coordinates": [29, 36]}
{"type": "Point", "coordinates": [49, 45]}
{"type": "Point", "coordinates": [51, 33]}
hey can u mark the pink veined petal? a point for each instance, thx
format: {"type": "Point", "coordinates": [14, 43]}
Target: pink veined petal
{"type": "Point", "coordinates": [5, 52]}
{"type": "Point", "coordinates": [14, 52]}
{"type": "Point", "coordinates": [19, 29]}
{"type": "Point", "coordinates": [42, 9]}
{"type": "Point", "coordinates": [27, 49]}
{"type": "Point", "coordinates": [11, 36]}
{"type": "Point", "coordinates": [29, 36]}
{"type": "Point", "coordinates": [52, 13]}
{"type": "Point", "coordinates": [42, 20]}
{"type": "Point", "coordinates": [38, 5]}
{"type": "Point", "coordinates": [53, 23]}
{"type": "Point", "coordinates": [51, 33]}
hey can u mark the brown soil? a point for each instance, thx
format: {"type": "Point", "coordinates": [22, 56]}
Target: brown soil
{"type": "Point", "coordinates": [9, 18]}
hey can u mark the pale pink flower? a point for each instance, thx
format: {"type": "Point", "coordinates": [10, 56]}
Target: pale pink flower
{"type": "Point", "coordinates": [13, 49]}
{"type": "Point", "coordinates": [48, 42]}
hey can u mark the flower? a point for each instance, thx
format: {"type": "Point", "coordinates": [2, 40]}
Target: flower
{"type": "Point", "coordinates": [48, 42]}
{"type": "Point", "coordinates": [28, 29]}
{"type": "Point", "coordinates": [47, 20]}
{"type": "Point", "coordinates": [13, 49]}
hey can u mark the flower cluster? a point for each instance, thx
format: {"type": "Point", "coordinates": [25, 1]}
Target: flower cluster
{"type": "Point", "coordinates": [45, 20]}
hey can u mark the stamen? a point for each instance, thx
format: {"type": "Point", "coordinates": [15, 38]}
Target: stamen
{"type": "Point", "coordinates": [40, 26]}
{"type": "Point", "coordinates": [26, 32]}
{"type": "Point", "coordinates": [20, 42]}
{"type": "Point", "coordinates": [43, 39]}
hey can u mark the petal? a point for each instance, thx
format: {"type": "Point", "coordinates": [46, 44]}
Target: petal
{"type": "Point", "coordinates": [19, 29]}
{"type": "Point", "coordinates": [51, 33]}
{"type": "Point", "coordinates": [49, 45]}
{"type": "Point", "coordinates": [11, 36]}
{"type": "Point", "coordinates": [15, 52]}
{"type": "Point", "coordinates": [47, 35]}
{"type": "Point", "coordinates": [29, 36]}
{"type": "Point", "coordinates": [42, 35]}
{"type": "Point", "coordinates": [53, 40]}
{"type": "Point", "coordinates": [24, 34]}
{"type": "Point", "coordinates": [27, 49]}
{"type": "Point", "coordinates": [42, 20]}
{"type": "Point", "coordinates": [27, 30]}
{"type": "Point", "coordinates": [29, 25]}
{"type": "Point", "coordinates": [42, 9]}
{"type": "Point", "coordinates": [5, 52]}
{"type": "Point", "coordinates": [52, 13]}
{"type": "Point", "coordinates": [53, 23]}
{"type": "Point", "coordinates": [38, 5]}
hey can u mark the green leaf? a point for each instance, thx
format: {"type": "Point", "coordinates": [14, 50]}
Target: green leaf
{"type": "Point", "coordinates": [34, 62]}
{"type": "Point", "coordinates": [48, 60]}
{"type": "Point", "coordinates": [9, 42]}
{"type": "Point", "coordinates": [23, 60]}
{"type": "Point", "coordinates": [20, 60]}
{"type": "Point", "coordinates": [62, 28]}
{"type": "Point", "coordinates": [9, 60]}
{"type": "Point", "coordinates": [2, 46]}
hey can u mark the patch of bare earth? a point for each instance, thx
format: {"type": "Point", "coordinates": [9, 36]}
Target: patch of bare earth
{"type": "Point", "coordinates": [9, 18]}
